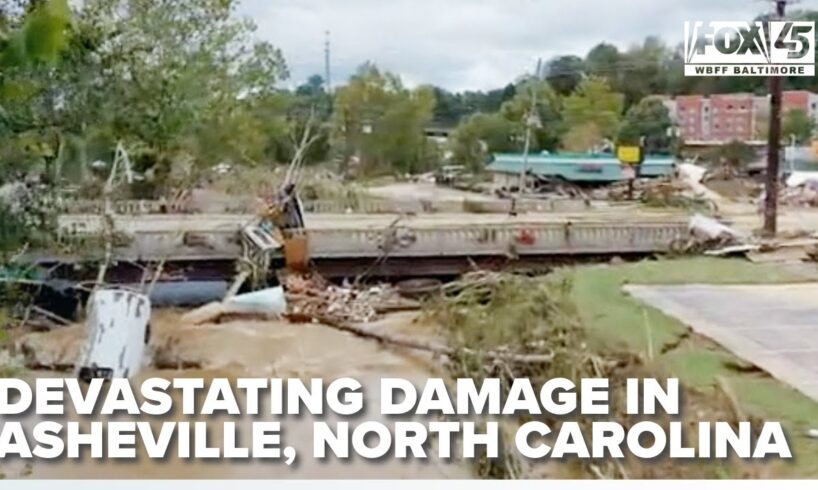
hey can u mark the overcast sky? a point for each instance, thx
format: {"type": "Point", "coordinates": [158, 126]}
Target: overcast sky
{"type": "Point", "coordinates": [471, 44]}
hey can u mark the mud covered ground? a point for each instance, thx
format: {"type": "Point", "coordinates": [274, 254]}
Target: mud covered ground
{"type": "Point", "coordinates": [252, 349]}
{"type": "Point", "coordinates": [602, 330]}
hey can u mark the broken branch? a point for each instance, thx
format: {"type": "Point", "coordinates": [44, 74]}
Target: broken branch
{"type": "Point", "coordinates": [408, 343]}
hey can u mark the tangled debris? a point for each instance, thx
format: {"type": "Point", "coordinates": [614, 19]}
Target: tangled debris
{"type": "Point", "coordinates": [500, 312]}
{"type": "Point", "coordinates": [311, 296]}
{"type": "Point", "coordinates": [505, 326]}
{"type": "Point", "coordinates": [485, 312]}
{"type": "Point", "coordinates": [507, 313]}
{"type": "Point", "coordinates": [659, 192]}
{"type": "Point", "coordinates": [714, 238]}
{"type": "Point", "coordinates": [312, 299]}
{"type": "Point", "coordinates": [804, 194]}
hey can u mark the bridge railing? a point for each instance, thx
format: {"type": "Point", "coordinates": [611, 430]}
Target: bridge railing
{"type": "Point", "coordinates": [479, 240]}
{"type": "Point", "coordinates": [517, 239]}
{"type": "Point", "coordinates": [137, 207]}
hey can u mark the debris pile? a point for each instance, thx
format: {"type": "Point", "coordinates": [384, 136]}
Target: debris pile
{"type": "Point", "coordinates": [715, 238]}
{"type": "Point", "coordinates": [509, 315]}
{"type": "Point", "coordinates": [802, 193]}
{"type": "Point", "coordinates": [539, 188]}
{"type": "Point", "coordinates": [311, 297]}
{"type": "Point", "coordinates": [712, 237]}
{"type": "Point", "coordinates": [683, 190]}
{"type": "Point", "coordinates": [493, 321]}
{"type": "Point", "coordinates": [655, 192]}
{"type": "Point", "coordinates": [710, 232]}
{"type": "Point", "coordinates": [621, 191]}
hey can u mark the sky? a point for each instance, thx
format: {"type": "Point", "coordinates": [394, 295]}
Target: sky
{"type": "Point", "coordinates": [470, 44]}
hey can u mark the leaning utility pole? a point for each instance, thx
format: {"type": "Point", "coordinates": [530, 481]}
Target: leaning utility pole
{"type": "Point", "coordinates": [327, 72]}
{"type": "Point", "coordinates": [531, 120]}
{"type": "Point", "coordinates": [773, 143]}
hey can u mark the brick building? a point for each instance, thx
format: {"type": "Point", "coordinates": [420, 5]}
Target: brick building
{"type": "Point", "coordinates": [727, 117]}
{"type": "Point", "coordinates": [801, 99]}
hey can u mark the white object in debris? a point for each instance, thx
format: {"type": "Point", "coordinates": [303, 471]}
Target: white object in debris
{"type": "Point", "coordinates": [813, 433]}
{"type": "Point", "coordinates": [710, 229]}
{"type": "Point", "coordinates": [118, 333]}
{"type": "Point", "coordinates": [733, 249]}
{"type": "Point", "coordinates": [691, 173]}
{"type": "Point", "coordinates": [267, 301]}
{"type": "Point", "coordinates": [800, 178]}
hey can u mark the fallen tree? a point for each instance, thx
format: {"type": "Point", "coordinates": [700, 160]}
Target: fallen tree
{"type": "Point", "coordinates": [406, 342]}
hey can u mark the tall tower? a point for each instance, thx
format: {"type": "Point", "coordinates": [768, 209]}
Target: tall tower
{"type": "Point", "coordinates": [327, 75]}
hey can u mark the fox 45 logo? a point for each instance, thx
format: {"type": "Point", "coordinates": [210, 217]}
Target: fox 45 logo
{"type": "Point", "coordinates": [740, 48]}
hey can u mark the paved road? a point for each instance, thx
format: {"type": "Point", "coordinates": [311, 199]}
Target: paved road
{"type": "Point", "coordinates": [774, 327]}
{"type": "Point", "coordinates": [791, 219]}
{"type": "Point", "coordinates": [414, 191]}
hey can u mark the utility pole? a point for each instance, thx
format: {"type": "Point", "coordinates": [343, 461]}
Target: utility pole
{"type": "Point", "coordinates": [328, 80]}
{"type": "Point", "coordinates": [531, 120]}
{"type": "Point", "coordinates": [773, 143]}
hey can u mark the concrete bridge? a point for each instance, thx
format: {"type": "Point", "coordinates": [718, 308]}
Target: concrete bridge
{"type": "Point", "coordinates": [370, 205]}
{"type": "Point", "coordinates": [443, 243]}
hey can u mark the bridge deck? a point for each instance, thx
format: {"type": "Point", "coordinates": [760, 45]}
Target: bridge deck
{"type": "Point", "coordinates": [90, 223]}
{"type": "Point", "coordinates": [215, 237]}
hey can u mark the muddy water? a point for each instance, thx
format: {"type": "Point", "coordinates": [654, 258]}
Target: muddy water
{"type": "Point", "coordinates": [261, 349]}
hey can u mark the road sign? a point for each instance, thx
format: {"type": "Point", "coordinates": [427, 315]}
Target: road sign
{"type": "Point", "coordinates": [631, 155]}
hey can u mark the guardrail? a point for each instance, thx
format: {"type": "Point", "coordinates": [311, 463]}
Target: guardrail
{"type": "Point", "coordinates": [134, 207]}
{"type": "Point", "coordinates": [519, 239]}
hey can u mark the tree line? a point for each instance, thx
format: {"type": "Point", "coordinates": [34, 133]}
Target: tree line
{"type": "Point", "coordinates": [609, 96]}
{"type": "Point", "coordinates": [187, 85]}
{"type": "Point", "coordinates": [593, 117]}
{"type": "Point", "coordinates": [649, 68]}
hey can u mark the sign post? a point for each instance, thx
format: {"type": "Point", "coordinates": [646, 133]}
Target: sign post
{"type": "Point", "coordinates": [631, 158]}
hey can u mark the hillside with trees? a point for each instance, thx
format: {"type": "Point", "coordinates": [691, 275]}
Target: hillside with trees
{"type": "Point", "coordinates": [187, 86]}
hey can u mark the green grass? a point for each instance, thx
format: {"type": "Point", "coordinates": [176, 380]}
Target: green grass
{"type": "Point", "coordinates": [611, 316]}
{"type": "Point", "coordinates": [614, 320]}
